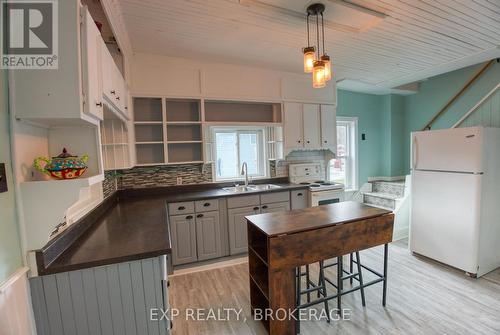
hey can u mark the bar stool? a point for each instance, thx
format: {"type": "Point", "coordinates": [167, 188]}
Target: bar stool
{"type": "Point", "coordinates": [343, 274]}
{"type": "Point", "coordinates": [311, 287]}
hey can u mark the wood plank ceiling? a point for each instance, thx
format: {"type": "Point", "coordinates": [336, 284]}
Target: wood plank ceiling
{"type": "Point", "coordinates": [416, 39]}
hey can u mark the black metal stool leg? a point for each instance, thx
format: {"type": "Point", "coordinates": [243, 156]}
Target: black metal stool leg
{"type": "Point", "coordinates": [384, 294]}
{"type": "Point", "coordinates": [298, 279]}
{"type": "Point", "coordinates": [360, 277]}
{"type": "Point", "coordinates": [322, 282]}
{"type": "Point", "coordinates": [339, 285]}
{"type": "Point", "coordinates": [351, 267]}
{"type": "Point", "coordinates": [307, 284]}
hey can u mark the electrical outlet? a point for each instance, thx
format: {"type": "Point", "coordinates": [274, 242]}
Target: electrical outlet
{"type": "Point", "coordinates": [179, 180]}
{"type": "Point", "coordinates": [3, 178]}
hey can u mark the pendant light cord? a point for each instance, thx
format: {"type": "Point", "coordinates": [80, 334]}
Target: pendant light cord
{"type": "Point", "coordinates": [308, 42]}
{"type": "Point", "coordinates": [323, 33]}
{"type": "Point", "coordinates": [317, 33]}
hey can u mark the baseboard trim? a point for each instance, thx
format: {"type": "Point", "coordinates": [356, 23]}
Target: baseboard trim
{"type": "Point", "coordinates": [13, 278]}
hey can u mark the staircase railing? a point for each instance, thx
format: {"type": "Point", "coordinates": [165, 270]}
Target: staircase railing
{"type": "Point", "coordinates": [476, 106]}
{"type": "Point", "coordinates": [450, 102]}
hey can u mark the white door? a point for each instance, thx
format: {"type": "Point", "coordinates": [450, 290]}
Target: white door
{"type": "Point", "coordinates": [445, 216]}
{"type": "Point", "coordinates": [311, 126]}
{"type": "Point", "coordinates": [329, 128]}
{"type": "Point", "coordinates": [458, 149]}
{"type": "Point", "coordinates": [293, 125]}
{"type": "Point", "coordinates": [92, 75]}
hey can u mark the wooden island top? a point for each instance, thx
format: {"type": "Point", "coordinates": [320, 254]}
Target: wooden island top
{"type": "Point", "coordinates": [274, 224]}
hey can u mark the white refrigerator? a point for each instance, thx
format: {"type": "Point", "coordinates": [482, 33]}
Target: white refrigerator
{"type": "Point", "coordinates": [455, 197]}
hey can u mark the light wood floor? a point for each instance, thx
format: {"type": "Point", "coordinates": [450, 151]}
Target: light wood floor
{"type": "Point", "coordinates": [424, 298]}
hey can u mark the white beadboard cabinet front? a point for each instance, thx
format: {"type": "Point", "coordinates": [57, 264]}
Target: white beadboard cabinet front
{"type": "Point", "coordinates": [114, 299]}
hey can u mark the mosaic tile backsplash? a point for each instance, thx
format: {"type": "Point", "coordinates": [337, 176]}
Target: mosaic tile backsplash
{"type": "Point", "coordinates": [158, 176]}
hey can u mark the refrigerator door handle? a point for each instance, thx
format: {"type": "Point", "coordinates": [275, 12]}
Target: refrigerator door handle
{"type": "Point", "coordinates": [414, 152]}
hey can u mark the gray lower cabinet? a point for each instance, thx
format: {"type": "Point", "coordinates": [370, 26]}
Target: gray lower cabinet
{"type": "Point", "coordinates": [238, 228]}
{"type": "Point", "coordinates": [183, 230]}
{"type": "Point", "coordinates": [115, 299]}
{"type": "Point", "coordinates": [276, 207]}
{"type": "Point", "coordinates": [208, 236]}
{"type": "Point", "coordinates": [299, 199]}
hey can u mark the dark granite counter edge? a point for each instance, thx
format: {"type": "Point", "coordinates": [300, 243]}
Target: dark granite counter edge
{"type": "Point", "coordinates": [56, 248]}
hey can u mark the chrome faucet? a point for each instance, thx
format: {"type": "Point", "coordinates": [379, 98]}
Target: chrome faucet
{"type": "Point", "coordinates": [244, 171]}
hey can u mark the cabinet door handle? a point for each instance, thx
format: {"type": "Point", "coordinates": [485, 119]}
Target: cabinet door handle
{"type": "Point", "coordinates": [299, 194]}
{"type": "Point", "coordinates": [264, 207]}
{"type": "Point", "coordinates": [326, 141]}
{"type": "Point", "coordinates": [168, 283]}
{"type": "Point", "coordinates": [113, 92]}
{"type": "Point", "coordinates": [117, 98]}
{"type": "Point", "coordinates": [256, 208]}
{"type": "Point", "coordinates": [98, 104]}
{"type": "Point", "coordinates": [298, 141]}
{"type": "Point", "coordinates": [199, 215]}
{"type": "Point", "coordinates": [181, 208]}
{"type": "Point", "coordinates": [206, 204]}
{"type": "Point", "coordinates": [308, 142]}
{"type": "Point", "coordinates": [189, 217]}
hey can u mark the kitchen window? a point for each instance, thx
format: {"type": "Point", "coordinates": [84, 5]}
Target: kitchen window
{"type": "Point", "coordinates": [233, 147]}
{"type": "Point", "coordinates": [343, 169]}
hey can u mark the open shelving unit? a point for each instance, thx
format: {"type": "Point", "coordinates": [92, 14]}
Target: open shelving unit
{"type": "Point", "coordinates": [258, 263]}
{"type": "Point", "coordinates": [115, 142]}
{"type": "Point", "coordinates": [175, 130]}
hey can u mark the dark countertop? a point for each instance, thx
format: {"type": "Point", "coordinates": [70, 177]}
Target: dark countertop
{"type": "Point", "coordinates": [273, 224]}
{"type": "Point", "coordinates": [129, 226]}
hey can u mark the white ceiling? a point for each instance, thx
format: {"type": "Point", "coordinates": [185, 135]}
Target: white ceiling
{"type": "Point", "coordinates": [402, 41]}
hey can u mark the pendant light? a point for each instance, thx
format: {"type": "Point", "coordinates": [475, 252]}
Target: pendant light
{"type": "Point", "coordinates": [325, 58]}
{"type": "Point", "coordinates": [308, 51]}
{"type": "Point", "coordinates": [319, 80]}
{"type": "Point", "coordinates": [319, 65]}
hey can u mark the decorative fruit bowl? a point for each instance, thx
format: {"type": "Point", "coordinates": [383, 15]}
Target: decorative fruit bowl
{"type": "Point", "coordinates": [64, 166]}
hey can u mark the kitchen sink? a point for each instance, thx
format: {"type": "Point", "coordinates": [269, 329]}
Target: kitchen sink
{"type": "Point", "coordinates": [250, 188]}
{"type": "Point", "coordinates": [264, 187]}
{"type": "Point", "coordinates": [238, 189]}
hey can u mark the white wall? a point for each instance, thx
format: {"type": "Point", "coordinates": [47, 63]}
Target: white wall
{"type": "Point", "coordinates": [177, 77]}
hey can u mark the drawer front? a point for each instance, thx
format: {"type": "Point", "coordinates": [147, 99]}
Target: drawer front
{"type": "Point", "coordinates": [243, 201]}
{"type": "Point", "coordinates": [299, 199]}
{"type": "Point", "coordinates": [269, 198]}
{"type": "Point", "coordinates": [178, 208]}
{"type": "Point", "coordinates": [206, 205]}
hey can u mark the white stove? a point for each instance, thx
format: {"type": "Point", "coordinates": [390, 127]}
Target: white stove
{"type": "Point", "coordinates": [320, 191]}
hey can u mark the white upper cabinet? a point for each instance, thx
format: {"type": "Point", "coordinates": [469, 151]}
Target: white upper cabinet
{"type": "Point", "coordinates": [91, 57]}
{"type": "Point", "coordinates": [329, 127]}
{"type": "Point", "coordinates": [58, 97]}
{"type": "Point", "coordinates": [293, 126]}
{"type": "Point", "coordinates": [115, 89]}
{"type": "Point", "coordinates": [311, 126]}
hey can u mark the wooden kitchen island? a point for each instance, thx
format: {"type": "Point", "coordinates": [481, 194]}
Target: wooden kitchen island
{"type": "Point", "coordinates": [278, 243]}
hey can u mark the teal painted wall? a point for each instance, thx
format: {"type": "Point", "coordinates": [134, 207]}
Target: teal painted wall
{"type": "Point", "coordinates": [10, 249]}
{"type": "Point", "coordinates": [371, 111]}
{"type": "Point", "coordinates": [388, 120]}
{"type": "Point", "coordinates": [435, 92]}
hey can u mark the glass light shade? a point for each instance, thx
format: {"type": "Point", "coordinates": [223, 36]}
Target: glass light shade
{"type": "Point", "coordinates": [309, 58]}
{"type": "Point", "coordinates": [319, 79]}
{"type": "Point", "coordinates": [328, 67]}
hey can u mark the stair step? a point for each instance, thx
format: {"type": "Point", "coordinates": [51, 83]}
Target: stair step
{"type": "Point", "coordinates": [382, 200]}
{"type": "Point", "coordinates": [396, 187]}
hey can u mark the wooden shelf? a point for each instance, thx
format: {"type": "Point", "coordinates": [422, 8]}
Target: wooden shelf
{"type": "Point", "coordinates": [184, 152]}
{"type": "Point", "coordinates": [180, 123]}
{"type": "Point", "coordinates": [148, 109]}
{"type": "Point", "coordinates": [148, 122]}
{"type": "Point", "coordinates": [150, 142]}
{"type": "Point", "coordinates": [180, 142]}
{"type": "Point", "coordinates": [182, 110]}
{"type": "Point", "coordinates": [246, 112]}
